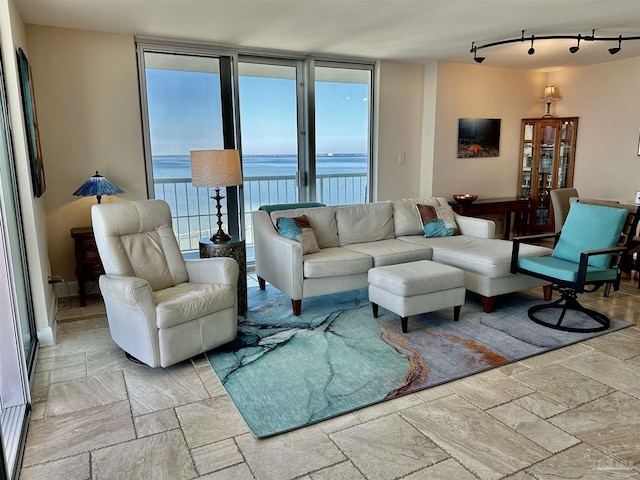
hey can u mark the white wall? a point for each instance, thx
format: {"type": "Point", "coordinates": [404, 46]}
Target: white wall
{"type": "Point", "coordinates": [89, 115]}
{"type": "Point", "coordinates": [606, 98]}
{"type": "Point", "coordinates": [12, 30]}
{"type": "Point", "coordinates": [399, 130]}
{"type": "Point", "coordinates": [474, 91]}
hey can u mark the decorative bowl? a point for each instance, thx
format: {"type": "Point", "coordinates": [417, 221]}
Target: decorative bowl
{"type": "Point", "coordinates": [465, 197]}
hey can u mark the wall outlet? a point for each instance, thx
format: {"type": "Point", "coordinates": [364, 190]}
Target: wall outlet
{"type": "Point", "coordinates": [402, 158]}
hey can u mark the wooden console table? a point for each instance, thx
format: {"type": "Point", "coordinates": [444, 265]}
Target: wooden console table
{"type": "Point", "coordinates": [492, 206]}
{"type": "Point", "coordinates": [88, 264]}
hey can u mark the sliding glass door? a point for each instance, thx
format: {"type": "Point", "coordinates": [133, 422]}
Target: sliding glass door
{"type": "Point", "coordinates": [302, 126]}
{"type": "Point", "coordinates": [343, 114]}
{"type": "Point", "coordinates": [270, 99]}
{"type": "Point", "coordinates": [18, 344]}
{"type": "Point", "coordinates": [188, 99]}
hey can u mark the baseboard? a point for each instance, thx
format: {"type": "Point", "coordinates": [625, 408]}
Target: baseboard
{"type": "Point", "coordinates": [70, 289]}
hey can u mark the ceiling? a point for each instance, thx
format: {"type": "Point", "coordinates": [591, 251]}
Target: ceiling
{"type": "Point", "coordinates": [404, 30]}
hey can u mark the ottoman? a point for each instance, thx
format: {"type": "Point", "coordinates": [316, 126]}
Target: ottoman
{"type": "Point", "coordinates": [417, 287]}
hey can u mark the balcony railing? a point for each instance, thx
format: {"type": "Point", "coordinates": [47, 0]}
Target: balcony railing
{"type": "Point", "coordinates": [194, 216]}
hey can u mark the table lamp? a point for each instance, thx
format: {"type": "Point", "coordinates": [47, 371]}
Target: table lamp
{"type": "Point", "coordinates": [216, 168]}
{"type": "Point", "coordinates": [549, 96]}
{"type": "Point", "coordinates": [98, 186]}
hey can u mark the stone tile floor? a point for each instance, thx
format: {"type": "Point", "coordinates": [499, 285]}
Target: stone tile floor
{"type": "Point", "coordinates": [569, 413]}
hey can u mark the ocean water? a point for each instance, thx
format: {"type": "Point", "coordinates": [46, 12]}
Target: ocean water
{"type": "Point", "coordinates": [178, 166]}
{"type": "Point", "coordinates": [194, 211]}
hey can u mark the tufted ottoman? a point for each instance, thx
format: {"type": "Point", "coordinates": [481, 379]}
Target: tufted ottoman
{"type": "Point", "coordinates": [417, 287]}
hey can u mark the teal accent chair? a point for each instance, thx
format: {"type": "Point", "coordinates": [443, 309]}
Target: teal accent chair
{"type": "Point", "coordinates": [587, 255]}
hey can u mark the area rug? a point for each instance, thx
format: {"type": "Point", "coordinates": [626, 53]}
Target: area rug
{"type": "Point", "coordinates": [284, 372]}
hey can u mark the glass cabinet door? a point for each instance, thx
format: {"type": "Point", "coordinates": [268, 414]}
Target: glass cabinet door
{"type": "Point", "coordinates": [565, 165]}
{"type": "Point", "coordinates": [527, 160]}
{"type": "Point", "coordinates": [548, 154]}
{"type": "Point", "coordinates": [545, 173]}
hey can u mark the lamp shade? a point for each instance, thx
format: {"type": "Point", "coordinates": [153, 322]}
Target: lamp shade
{"type": "Point", "coordinates": [98, 186]}
{"type": "Point", "coordinates": [549, 93]}
{"type": "Point", "coordinates": [215, 168]}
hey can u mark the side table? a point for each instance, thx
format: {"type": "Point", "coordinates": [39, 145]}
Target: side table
{"type": "Point", "coordinates": [234, 248]}
{"type": "Point", "coordinates": [88, 264]}
{"type": "Point", "coordinates": [489, 206]}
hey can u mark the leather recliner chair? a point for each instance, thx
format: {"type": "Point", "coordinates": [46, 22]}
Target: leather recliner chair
{"type": "Point", "coordinates": [161, 309]}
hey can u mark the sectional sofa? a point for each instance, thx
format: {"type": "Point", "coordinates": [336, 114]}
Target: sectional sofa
{"type": "Point", "coordinates": [355, 238]}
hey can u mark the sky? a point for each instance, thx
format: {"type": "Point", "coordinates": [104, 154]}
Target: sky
{"type": "Point", "coordinates": [185, 114]}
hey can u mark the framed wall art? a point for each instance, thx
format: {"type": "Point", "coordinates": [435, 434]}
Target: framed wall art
{"type": "Point", "coordinates": [478, 137]}
{"type": "Point", "coordinates": [31, 125]}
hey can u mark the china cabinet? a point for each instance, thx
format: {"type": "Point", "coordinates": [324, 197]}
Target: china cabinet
{"type": "Point", "coordinates": [548, 149]}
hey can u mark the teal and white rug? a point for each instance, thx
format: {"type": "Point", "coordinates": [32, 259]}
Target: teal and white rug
{"type": "Point", "coordinates": [284, 372]}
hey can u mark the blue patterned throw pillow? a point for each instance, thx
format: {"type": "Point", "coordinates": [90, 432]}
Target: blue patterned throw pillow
{"type": "Point", "coordinates": [437, 228]}
{"type": "Point", "coordinates": [437, 221]}
{"type": "Point", "coordinates": [299, 230]}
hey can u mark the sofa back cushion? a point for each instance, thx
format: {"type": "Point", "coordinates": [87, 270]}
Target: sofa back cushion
{"type": "Point", "coordinates": [367, 222]}
{"type": "Point", "coordinates": [321, 219]}
{"type": "Point", "coordinates": [406, 219]}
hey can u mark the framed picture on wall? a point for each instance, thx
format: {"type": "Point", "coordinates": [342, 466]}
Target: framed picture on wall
{"type": "Point", "coordinates": [478, 137]}
{"type": "Point", "coordinates": [31, 125]}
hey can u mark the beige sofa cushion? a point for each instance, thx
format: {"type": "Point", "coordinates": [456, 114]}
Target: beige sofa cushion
{"type": "Point", "coordinates": [390, 252]}
{"type": "Point", "coordinates": [321, 219]}
{"type": "Point", "coordinates": [334, 261]}
{"type": "Point", "coordinates": [488, 257]}
{"type": "Point", "coordinates": [367, 222]}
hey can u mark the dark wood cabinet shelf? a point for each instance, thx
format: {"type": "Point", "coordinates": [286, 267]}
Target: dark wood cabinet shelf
{"type": "Point", "coordinates": [88, 264]}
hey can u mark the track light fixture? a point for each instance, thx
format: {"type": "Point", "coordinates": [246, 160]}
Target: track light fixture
{"type": "Point", "coordinates": [573, 49]}
{"type": "Point", "coordinates": [476, 58]}
{"type": "Point", "coordinates": [531, 50]}
{"type": "Point", "coordinates": [615, 50]}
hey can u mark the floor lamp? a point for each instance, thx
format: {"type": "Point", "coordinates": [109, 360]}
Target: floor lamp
{"type": "Point", "coordinates": [216, 168]}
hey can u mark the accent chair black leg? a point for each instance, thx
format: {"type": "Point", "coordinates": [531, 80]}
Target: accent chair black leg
{"type": "Point", "coordinates": [374, 307]}
{"type": "Point", "coordinates": [404, 321]}
{"type": "Point", "coordinates": [456, 312]}
{"type": "Point", "coordinates": [568, 301]}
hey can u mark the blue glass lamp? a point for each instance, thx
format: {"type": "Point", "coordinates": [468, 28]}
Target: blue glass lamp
{"type": "Point", "coordinates": [98, 186]}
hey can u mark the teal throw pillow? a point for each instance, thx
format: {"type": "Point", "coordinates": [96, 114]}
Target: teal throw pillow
{"type": "Point", "coordinates": [437, 228]}
{"type": "Point", "coordinates": [437, 221]}
{"type": "Point", "coordinates": [590, 227]}
{"type": "Point", "coordinates": [299, 230]}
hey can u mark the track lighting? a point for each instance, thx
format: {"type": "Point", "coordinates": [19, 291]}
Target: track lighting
{"type": "Point", "coordinates": [573, 49]}
{"type": "Point", "coordinates": [531, 50]}
{"type": "Point", "coordinates": [476, 58]}
{"type": "Point", "coordinates": [615, 50]}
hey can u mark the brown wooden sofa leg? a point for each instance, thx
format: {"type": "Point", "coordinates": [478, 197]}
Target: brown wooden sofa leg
{"type": "Point", "coordinates": [261, 283]}
{"type": "Point", "coordinates": [487, 304]}
{"type": "Point", "coordinates": [297, 307]}
{"type": "Point", "coordinates": [548, 292]}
